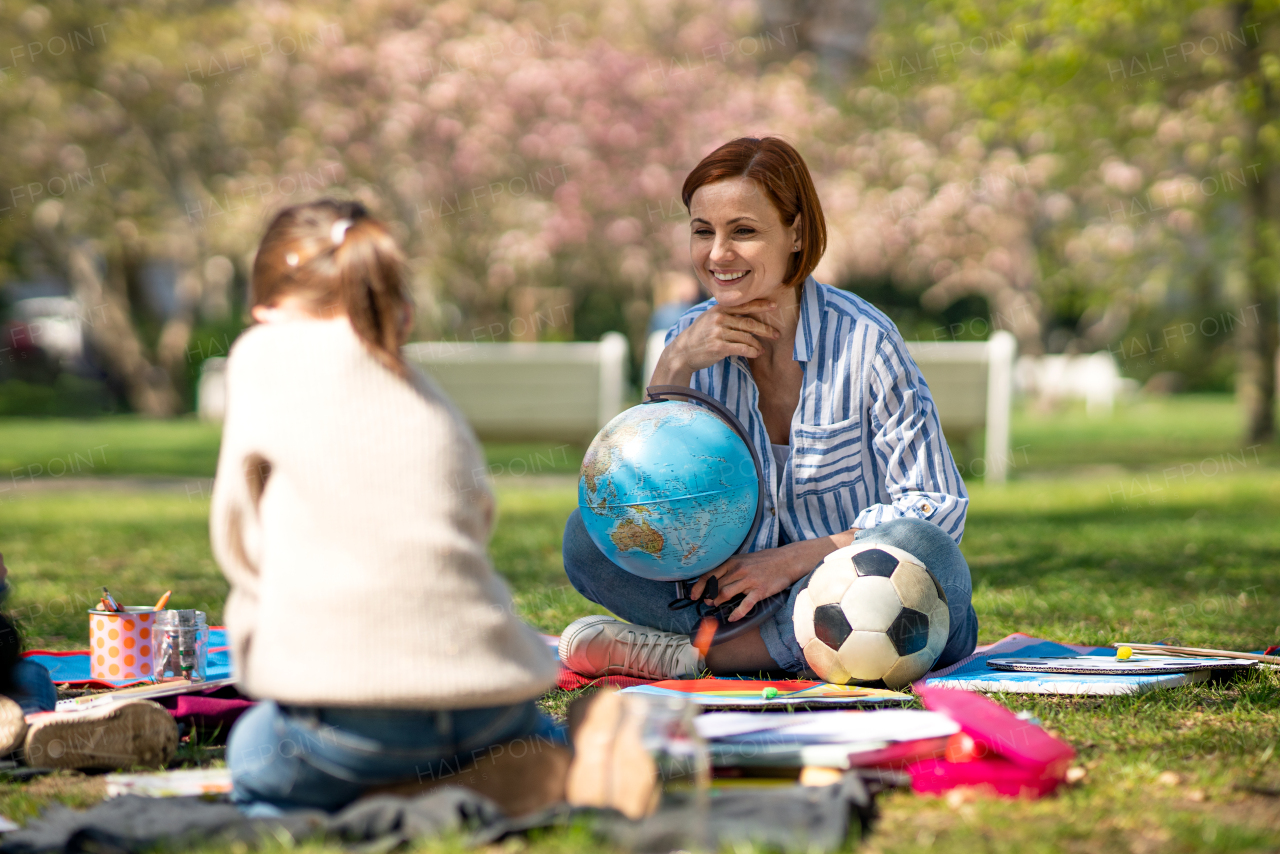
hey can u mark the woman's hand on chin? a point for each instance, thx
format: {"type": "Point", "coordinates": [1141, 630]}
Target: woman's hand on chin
{"type": "Point", "coordinates": [718, 333]}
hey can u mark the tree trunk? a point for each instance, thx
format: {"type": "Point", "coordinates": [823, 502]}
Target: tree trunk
{"type": "Point", "coordinates": [1256, 383]}
{"type": "Point", "coordinates": [148, 388]}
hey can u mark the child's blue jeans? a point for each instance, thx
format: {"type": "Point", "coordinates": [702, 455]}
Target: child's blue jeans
{"type": "Point", "coordinates": [288, 757]}
{"type": "Point", "coordinates": [33, 688]}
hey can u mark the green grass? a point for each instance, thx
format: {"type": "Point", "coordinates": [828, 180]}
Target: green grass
{"type": "Point", "coordinates": [1094, 541]}
{"type": "Point", "coordinates": [49, 448]}
{"type": "Point", "coordinates": [1144, 433]}
{"type": "Point", "coordinates": [46, 449]}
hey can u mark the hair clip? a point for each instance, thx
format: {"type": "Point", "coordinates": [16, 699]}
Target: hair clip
{"type": "Point", "coordinates": [339, 231]}
{"type": "Point", "coordinates": [291, 259]}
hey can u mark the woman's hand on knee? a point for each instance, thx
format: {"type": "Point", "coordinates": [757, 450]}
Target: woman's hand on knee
{"type": "Point", "coordinates": [761, 574]}
{"type": "Point", "coordinates": [758, 576]}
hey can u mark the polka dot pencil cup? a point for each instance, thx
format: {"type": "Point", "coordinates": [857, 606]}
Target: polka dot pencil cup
{"type": "Point", "coordinates": [120, 645]}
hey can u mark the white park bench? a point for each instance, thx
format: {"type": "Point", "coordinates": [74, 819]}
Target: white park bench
{"type": "Point", "coordinates": [552, 391]}
{"type": "Point", "coordinates": [530, 391]}
{"type": "Point", "coordinates": [972, 386]}
{"type": "Point", "coordinates": [508, 392]}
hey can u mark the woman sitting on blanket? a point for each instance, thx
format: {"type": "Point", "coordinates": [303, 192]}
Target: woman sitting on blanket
{"type": "Point", "coordinates": [837, 410]}
{"type": "Point", "coordinates": [364, 611]}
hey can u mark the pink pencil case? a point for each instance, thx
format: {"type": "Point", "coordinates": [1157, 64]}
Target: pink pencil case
{"type": "Point", "coordinates": [1016, 758]}
{"type": "Point", "coordinates": [934, 776]}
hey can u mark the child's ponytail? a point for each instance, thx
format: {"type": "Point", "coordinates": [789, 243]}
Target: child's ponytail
{"type": "Point", "coordinates": [335, 256]}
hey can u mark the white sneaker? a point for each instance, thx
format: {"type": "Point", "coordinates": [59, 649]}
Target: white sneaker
{"type": "Point", "coordinates": [602, 646]}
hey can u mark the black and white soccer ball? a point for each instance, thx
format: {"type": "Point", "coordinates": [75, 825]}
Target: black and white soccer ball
{"type": "Point", "coordinates": [871, 613]}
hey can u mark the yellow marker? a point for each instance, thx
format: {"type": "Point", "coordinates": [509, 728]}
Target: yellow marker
{"type": "Point", "coordinates": [1123, 652]}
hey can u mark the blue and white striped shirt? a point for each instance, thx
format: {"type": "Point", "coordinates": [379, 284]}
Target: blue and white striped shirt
{"type": "Point", "coordinates": [866, 445]}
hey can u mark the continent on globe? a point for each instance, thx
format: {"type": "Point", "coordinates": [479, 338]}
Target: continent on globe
{"type": "Point", "coordinates": [668, 490]}
{"type": "Point", "coordinates": [629, 535]}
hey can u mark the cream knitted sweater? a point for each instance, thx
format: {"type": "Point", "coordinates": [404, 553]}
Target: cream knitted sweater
{"type": "Point", "coordinates": [351, 513]}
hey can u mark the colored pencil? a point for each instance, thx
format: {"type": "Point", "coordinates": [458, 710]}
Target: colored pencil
{"type": "Point", "coordinates": [164, 600]}
{"type": "Point", "coordinates": [112, 604]}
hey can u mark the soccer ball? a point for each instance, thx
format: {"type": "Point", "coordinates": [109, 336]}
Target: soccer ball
{"type": "Point", "coordinates": [871, 613]}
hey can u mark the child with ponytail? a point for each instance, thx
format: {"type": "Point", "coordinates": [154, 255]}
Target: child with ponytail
{"type": "Point", "coordinates": [364, 611]}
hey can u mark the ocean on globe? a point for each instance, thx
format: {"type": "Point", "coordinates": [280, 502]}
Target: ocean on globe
{"type": "Point", "coordinates": [668, 490]}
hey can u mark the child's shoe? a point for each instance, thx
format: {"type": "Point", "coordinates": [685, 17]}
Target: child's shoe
{"type": "Point", "coordinates": [121, 735]}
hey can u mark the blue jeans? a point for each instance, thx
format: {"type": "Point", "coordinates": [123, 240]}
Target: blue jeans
{"type": "Point", "coordinates": [644, 602]}
{"type": "Point", "coordinates": [33, 688]}
{"type": "Point", "coordinates": [288, 757]}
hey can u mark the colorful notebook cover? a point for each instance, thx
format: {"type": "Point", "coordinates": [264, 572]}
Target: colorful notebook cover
{"type": "Point", "coordinates": [973, 674]}
{"type": "Point", "coordinates": [72, 667]}
{"type": "Point", "coordinates": [750, 693]}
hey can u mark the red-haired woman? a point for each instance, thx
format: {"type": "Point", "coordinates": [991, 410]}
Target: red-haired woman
{"type": "Point", "coordinates": [839, 414]}
{"type": "Point", "coordinates": [363, 610]}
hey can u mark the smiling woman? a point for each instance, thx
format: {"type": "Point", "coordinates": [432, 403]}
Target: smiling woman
{"type": "Point", "coordinates": [839, 415]}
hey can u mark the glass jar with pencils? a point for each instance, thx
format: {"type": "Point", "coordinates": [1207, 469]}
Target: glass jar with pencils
{"type": "Point", "coordinates": [182, 645]}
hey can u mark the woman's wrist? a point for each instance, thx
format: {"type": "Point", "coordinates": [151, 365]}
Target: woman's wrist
{"type": "Point", "coordinates": [812, 552]}
{"type": "Point", "coordinates": [671, 369]}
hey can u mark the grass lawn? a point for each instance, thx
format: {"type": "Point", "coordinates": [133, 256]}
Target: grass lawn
{"type": "Point", "coordinates": [1104, 534]}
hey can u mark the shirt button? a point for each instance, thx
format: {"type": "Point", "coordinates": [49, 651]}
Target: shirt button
{"type": "Point", "coordinates": [771, 513]}
{"type": "Point", "coordinates": [926, 508]}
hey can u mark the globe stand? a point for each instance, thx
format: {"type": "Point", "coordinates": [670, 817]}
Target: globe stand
{"type": "Point", "coordinates": [765, 608]}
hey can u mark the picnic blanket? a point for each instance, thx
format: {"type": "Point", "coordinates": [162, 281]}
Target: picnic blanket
{"type": "Point", "coordinates": [973, 674]}
{"type": "Point", "coordinates": [784, 817]}
{"type": "Point", "coordinates": [72, 667]}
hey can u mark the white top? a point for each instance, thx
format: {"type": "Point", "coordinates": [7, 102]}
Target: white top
{"type": "Point", "coordinates": [781, 453]}
{"type": "Point", "coordinates": [349, 519]}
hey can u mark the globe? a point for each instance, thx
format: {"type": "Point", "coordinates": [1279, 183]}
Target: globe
{"type": "Point", "coordinates": [668, 490]}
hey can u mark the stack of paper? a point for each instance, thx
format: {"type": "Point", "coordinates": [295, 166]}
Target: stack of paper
{"type": "Point", "coordinates": [826, 739]}
{"type": "Point", "coordinates": [171, 784]}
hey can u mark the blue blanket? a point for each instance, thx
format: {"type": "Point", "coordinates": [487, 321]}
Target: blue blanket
{"type": "Point", "coordinates": [72, 668]}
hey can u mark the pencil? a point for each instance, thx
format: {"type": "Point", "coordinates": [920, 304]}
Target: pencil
{"type": "Point", "coordinates": [1197, 652]}
{"type": "Point", "coordinates": [164, 600]}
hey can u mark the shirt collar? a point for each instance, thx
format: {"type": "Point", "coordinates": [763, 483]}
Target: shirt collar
{"type": "Point", "coordinates": [807, 330]}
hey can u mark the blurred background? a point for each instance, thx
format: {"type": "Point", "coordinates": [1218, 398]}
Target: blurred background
{"type": "Point", "coordinates": [1071, 208]}
{"type": "Point", "coordinates": [1095, 178]}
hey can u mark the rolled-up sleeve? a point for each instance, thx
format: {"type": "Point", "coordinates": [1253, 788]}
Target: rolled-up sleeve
{"type": "Point", "coordinates": [918, 472]}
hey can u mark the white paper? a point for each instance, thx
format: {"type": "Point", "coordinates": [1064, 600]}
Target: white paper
{"type": "Point", "coordinates": [843, 727]}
